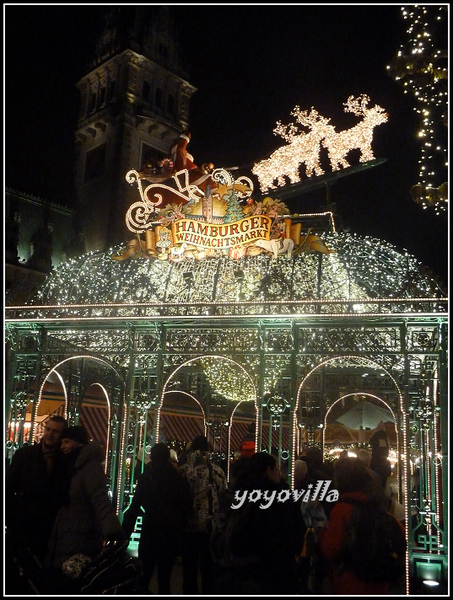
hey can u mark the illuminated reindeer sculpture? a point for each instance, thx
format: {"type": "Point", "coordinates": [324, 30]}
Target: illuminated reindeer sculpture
{"type": "Point", "coordinates": [303, 148]}
{"type": "Point", "coordinates": [360, 136]}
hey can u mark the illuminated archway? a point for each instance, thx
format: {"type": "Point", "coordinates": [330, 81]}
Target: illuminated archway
{"type": "Point", "coordinates": [313, 405]}
{"type": "Point", "coordinates": [340, 364]}
{"type": "Point", "coordinates": [219, 386]}
{"type": "Point", "coordinates": [93, 403]}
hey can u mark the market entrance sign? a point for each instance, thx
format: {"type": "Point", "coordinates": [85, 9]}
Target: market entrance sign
{"type": "Point", "coordinates": [227, 235]}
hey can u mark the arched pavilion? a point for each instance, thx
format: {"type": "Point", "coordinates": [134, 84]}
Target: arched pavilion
{"type": "Point", "coordinates": [217, 344]}
{"type": "Point", "coordinates": [209, 325]}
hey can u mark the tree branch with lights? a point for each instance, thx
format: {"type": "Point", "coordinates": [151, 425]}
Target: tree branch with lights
{"type": "Point", "coordinates": [421, 66]}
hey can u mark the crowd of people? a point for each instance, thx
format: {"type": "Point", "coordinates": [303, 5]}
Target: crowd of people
{"type": "Point", "coordinates": [260, 533]}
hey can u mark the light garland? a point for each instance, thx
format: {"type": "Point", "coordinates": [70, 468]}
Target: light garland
{"type": "Point", "coordinates": [421, 66]}
{"type": "Point", "coordinates": [364, 268]}
{"type": "Point", "coordinates": [305, 148]}
{"type": "Point", "coordinates": [226, 379]}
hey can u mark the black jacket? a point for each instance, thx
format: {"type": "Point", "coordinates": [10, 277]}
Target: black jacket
{"type": "Point", "coordinates": [32, 499]}
{"type": "Point", "coordinates": [166, 500]}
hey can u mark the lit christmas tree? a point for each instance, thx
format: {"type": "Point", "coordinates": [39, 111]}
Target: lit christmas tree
{"type": "Point", "coordinates": [421, 66]}
{"type": "Point", "coordinates": [234, 212]}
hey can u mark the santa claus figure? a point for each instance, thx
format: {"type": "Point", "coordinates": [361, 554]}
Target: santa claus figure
{"type": "Point", "coordinates": [184, 160]}
{"type": "Point", "coordinates": [195, 178]}
{"type": "Point", "coordinates": [181, 158]}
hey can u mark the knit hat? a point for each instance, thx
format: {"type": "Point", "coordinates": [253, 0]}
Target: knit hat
{"type": "Point", "coordinates": [77, 433]}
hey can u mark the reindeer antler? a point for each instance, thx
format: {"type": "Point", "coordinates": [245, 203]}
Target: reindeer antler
{"type": "Point", "coordinates": [307, 119]}
{"type": "Point", "coordinates": [287, 132]}
{"type": "Point", "coordinates": [357, 106]}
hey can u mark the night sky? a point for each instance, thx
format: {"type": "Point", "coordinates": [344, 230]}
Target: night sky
{"type": "Point", "coordinates": [251, 64]}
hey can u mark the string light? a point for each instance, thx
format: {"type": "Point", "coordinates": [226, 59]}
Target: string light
{"type": "Point", "coordinates": [362, 269]}
{"type": "Point", "coordinates": [305, 148]}
{"type": "Point", "coordinates": [225, 381]}
{"type": "Point", "coordinates": [421, 67]}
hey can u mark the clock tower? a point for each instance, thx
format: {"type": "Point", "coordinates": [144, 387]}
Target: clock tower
{"type": "Point", "coordinates": [134, 105]}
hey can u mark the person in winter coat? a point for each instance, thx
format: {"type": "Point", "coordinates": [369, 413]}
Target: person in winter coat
{"type": "Point", "coordinates": [33, 486]}
{"type": "Point", "coordinates": [263, 533]}
{"type": "Point", "coordinates": [352, 481]}
{"type": "Point", "coordinates": [165, 497]}
{"type": "Point", "coordinates": [206, 481]}
{"type": "Point", "coordinates": [87, 519]}
{"type": "Point", "coordinates": [381, 465]}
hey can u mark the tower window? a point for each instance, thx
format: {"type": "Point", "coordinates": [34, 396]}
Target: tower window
{"type": "Point", "coordinates": [170, 105]}
{"type": "Point", "coordinates": [145, 91]}
{"type": "Point", "coordinates": [92, 104]}
{"type": "Point", "coordinates": [158, 98]}
{"type": "Point", "coordinates": [111, 91]}
{"type": "Point", "coordinates": [150, 157]}
{"type": "Point", "coordinates": [95, 163]}
{"type": "Point", "coordinates": [102, 96]}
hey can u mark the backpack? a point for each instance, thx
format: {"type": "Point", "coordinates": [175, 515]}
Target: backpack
{"type": "Point", "coordinates": [375, 544]}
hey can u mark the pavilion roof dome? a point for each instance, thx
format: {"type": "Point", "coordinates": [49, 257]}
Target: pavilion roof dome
{"type": "Point", "coordinates": [360, 268]}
